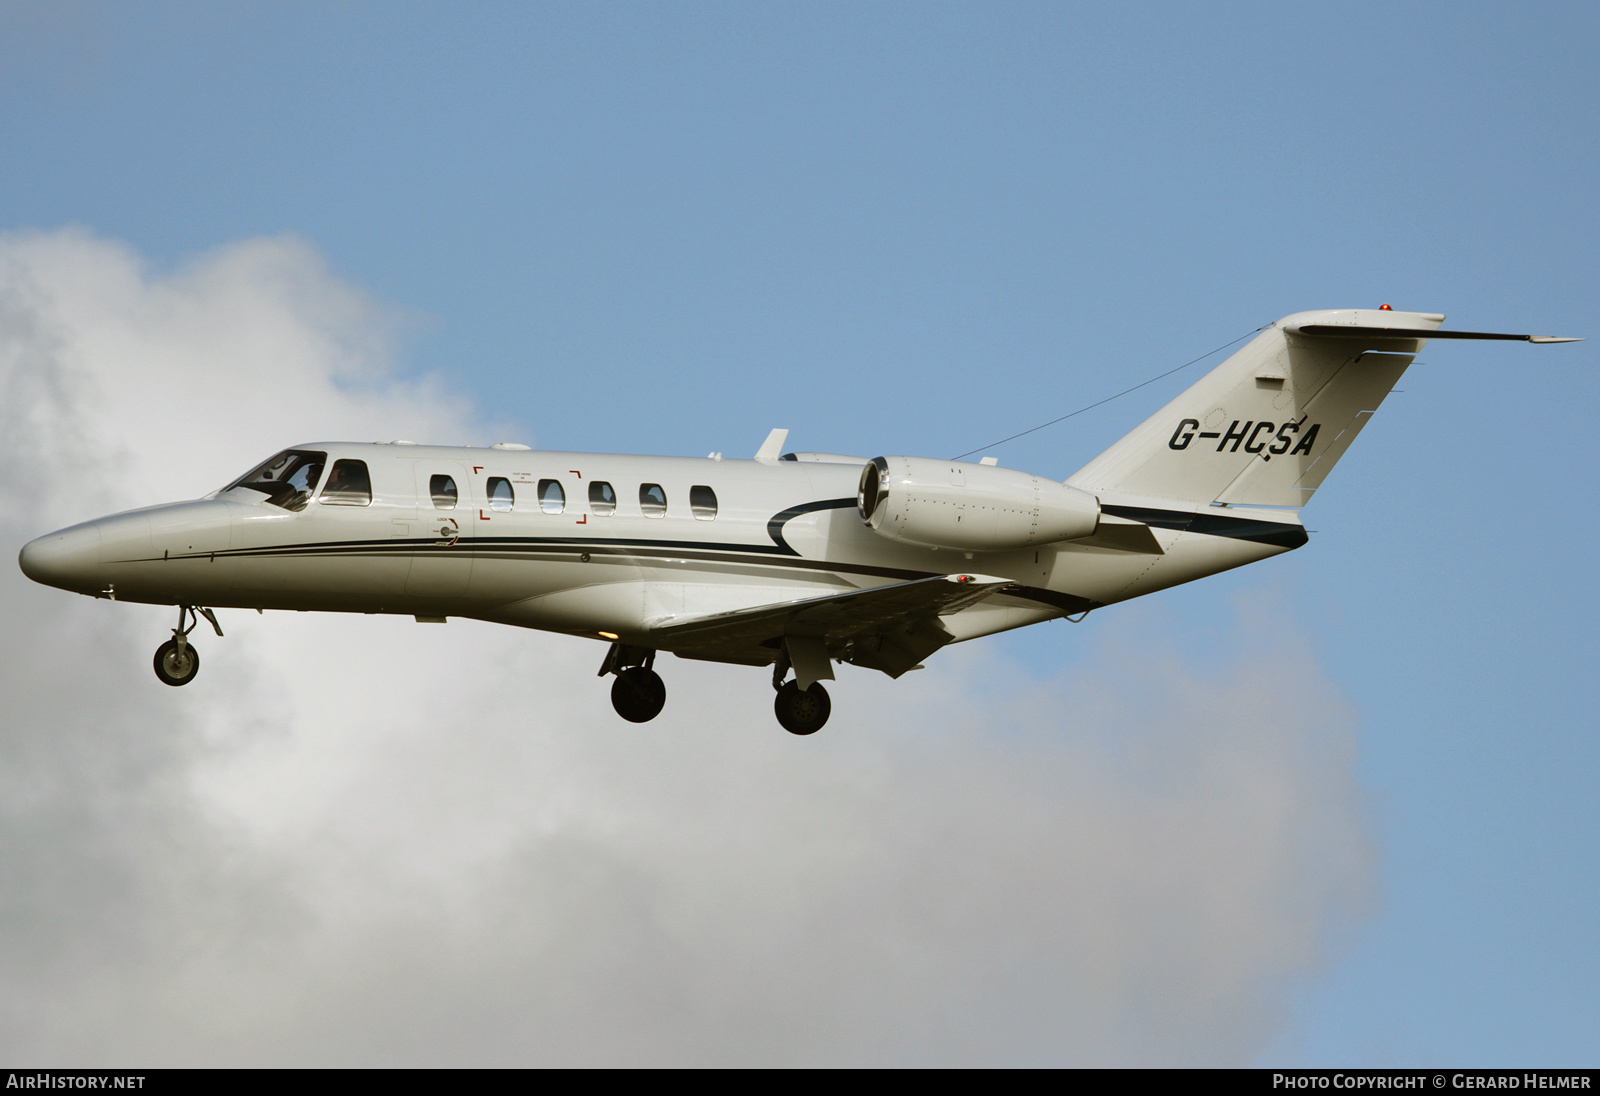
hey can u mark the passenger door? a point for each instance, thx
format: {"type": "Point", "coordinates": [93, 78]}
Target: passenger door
{"type": "Point", "coordinates": [441, 566]}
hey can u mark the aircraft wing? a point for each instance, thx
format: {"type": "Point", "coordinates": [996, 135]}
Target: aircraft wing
{"type": "Point", "coordinates": [888, 628]}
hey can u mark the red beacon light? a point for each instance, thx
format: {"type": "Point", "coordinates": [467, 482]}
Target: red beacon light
{"type": "Point", "coordinates": [1385, 308]}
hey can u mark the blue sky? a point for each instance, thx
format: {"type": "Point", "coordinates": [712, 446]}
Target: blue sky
{"type": "Point", "coordinates": [900, 228]}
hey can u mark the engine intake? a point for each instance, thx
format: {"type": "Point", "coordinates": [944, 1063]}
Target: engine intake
{"type": "Point", "coordinates": [972, 507]}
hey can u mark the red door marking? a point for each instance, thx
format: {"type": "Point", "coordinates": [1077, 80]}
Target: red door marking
{"type": "Point", "coordinates": [476, 468]}
{"type": "Point", "coordinates": [582, 521]}
{"type": "Point", "coordinates": [575, 472]}
{"type": "Point", "coordinates": [482, 516]}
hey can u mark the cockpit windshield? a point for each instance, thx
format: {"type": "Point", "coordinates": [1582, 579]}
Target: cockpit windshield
{"type": "Point", "coordinates": [288, 479]}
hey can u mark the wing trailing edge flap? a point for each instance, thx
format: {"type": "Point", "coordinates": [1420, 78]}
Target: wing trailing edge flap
{"type": "Point", "coordinates": [889, 628]}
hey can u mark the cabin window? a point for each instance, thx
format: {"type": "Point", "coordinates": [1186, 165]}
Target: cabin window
{"type": "Point", "coordinates": [703, 501]}
{"type": "Point", "coordinates": [287, 479]}
{"type": "Point", "coordinates": [348, 484]}
{"type": "Point", "coordinates": [602, 499]}
{"type": "Point", "coordinates": [501, 497]}
{"type": "Point", "coordinates": [552, 499]}
{"type": "Point", "coordinates": [443, 490]}
{"type": "Point", "coordinates": [652, 500]}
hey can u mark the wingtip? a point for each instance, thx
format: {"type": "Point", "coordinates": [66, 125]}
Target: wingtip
{"type": "Point", "coordinates": [1550, 339]}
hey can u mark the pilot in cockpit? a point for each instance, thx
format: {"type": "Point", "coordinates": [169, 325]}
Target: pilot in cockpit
{"type": "Point", "coordinates": [288, 479]}
{"type": "Point", "coordinates": [340, 481]}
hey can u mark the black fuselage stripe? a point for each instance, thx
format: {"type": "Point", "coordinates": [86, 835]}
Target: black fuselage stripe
{"type": "Point", "coordinates": [1279, 533]}
{"type": "Point", "coordinates": [759, 556]}
{"type": "Point", "coordinates": [529, 547]}
{"type": "Point", "coordinates": [783, 517]}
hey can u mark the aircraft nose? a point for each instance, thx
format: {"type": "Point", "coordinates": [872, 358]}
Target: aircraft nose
{"type": "Point", "coordinates": [68, 558]}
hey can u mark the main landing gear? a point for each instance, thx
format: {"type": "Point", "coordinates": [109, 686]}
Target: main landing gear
{"type": "Point", "coordinates": [638, 694]}
{"type": "Point", "coordinates": [799, 711]}
{"type": "Point", "coordinates": [176, 660]}
{"type": "Point", "coordinates": [802, 712]}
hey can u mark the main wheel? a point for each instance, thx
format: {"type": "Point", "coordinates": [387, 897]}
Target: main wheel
{"type": "Point", "coordinates": [638, 694]}
{"type": "Point", "coordinates": [176, 667]}
{"type": "Point", "coordinates": [802, 713]}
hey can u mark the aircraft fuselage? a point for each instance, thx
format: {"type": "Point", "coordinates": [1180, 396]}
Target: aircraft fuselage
{"type": "Point", "coordinates": [545, 554]}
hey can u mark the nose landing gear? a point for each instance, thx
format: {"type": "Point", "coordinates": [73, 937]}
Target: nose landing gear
{"type": "Point", "coordinates": [177, 662]}
{"type": "Point", "coordinates": [177, 665]}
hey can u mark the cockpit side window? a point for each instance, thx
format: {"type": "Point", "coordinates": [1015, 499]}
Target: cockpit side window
{"type": "Point", "coordinates": [443, 490]}
{"type": "Point", "coordinates": [288, 479]}
{"type": "Point", "coordinates": [348, 484]}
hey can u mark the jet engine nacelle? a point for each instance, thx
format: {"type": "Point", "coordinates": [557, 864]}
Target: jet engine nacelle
{"type": "Point", "coordinates": [973, 507]}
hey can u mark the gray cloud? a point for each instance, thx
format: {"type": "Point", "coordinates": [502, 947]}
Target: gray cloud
{"type": "Point", "coordinates": [360, 841]}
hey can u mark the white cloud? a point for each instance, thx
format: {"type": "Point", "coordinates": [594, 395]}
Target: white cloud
{"type": "Point", "coordinates": [364, 841]}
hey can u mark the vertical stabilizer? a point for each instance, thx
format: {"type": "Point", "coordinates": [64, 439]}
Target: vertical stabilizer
{"type": "Point", "coordinates": [1266, 426]}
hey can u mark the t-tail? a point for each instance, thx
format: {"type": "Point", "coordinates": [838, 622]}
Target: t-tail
{"type": "Point", "coordinates": [1266, 426]}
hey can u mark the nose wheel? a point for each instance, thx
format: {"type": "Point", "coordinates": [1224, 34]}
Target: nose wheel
{"type": "Point", "coordinates": [177, 665]}
{"type": "Point", "coordinates": [176, 660]}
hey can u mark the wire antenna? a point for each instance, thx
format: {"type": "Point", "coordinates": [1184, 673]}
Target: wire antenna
{"type": "Point", "coordinates": [1108, 399]}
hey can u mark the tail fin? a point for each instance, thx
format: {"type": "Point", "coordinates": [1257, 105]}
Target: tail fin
{"type": "Point", "coordinates": [1266, 426]}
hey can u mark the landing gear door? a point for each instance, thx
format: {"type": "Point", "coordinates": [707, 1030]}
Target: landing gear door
{"type": "Point", "coordinates": [441, 563]}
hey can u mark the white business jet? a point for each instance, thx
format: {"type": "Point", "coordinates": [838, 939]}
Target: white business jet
{"type": "Point", "coordinates": [795, 561]}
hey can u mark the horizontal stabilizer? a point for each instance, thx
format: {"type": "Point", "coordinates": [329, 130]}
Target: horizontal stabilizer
{"type": "Point", "coordinates": [1351, 331]}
